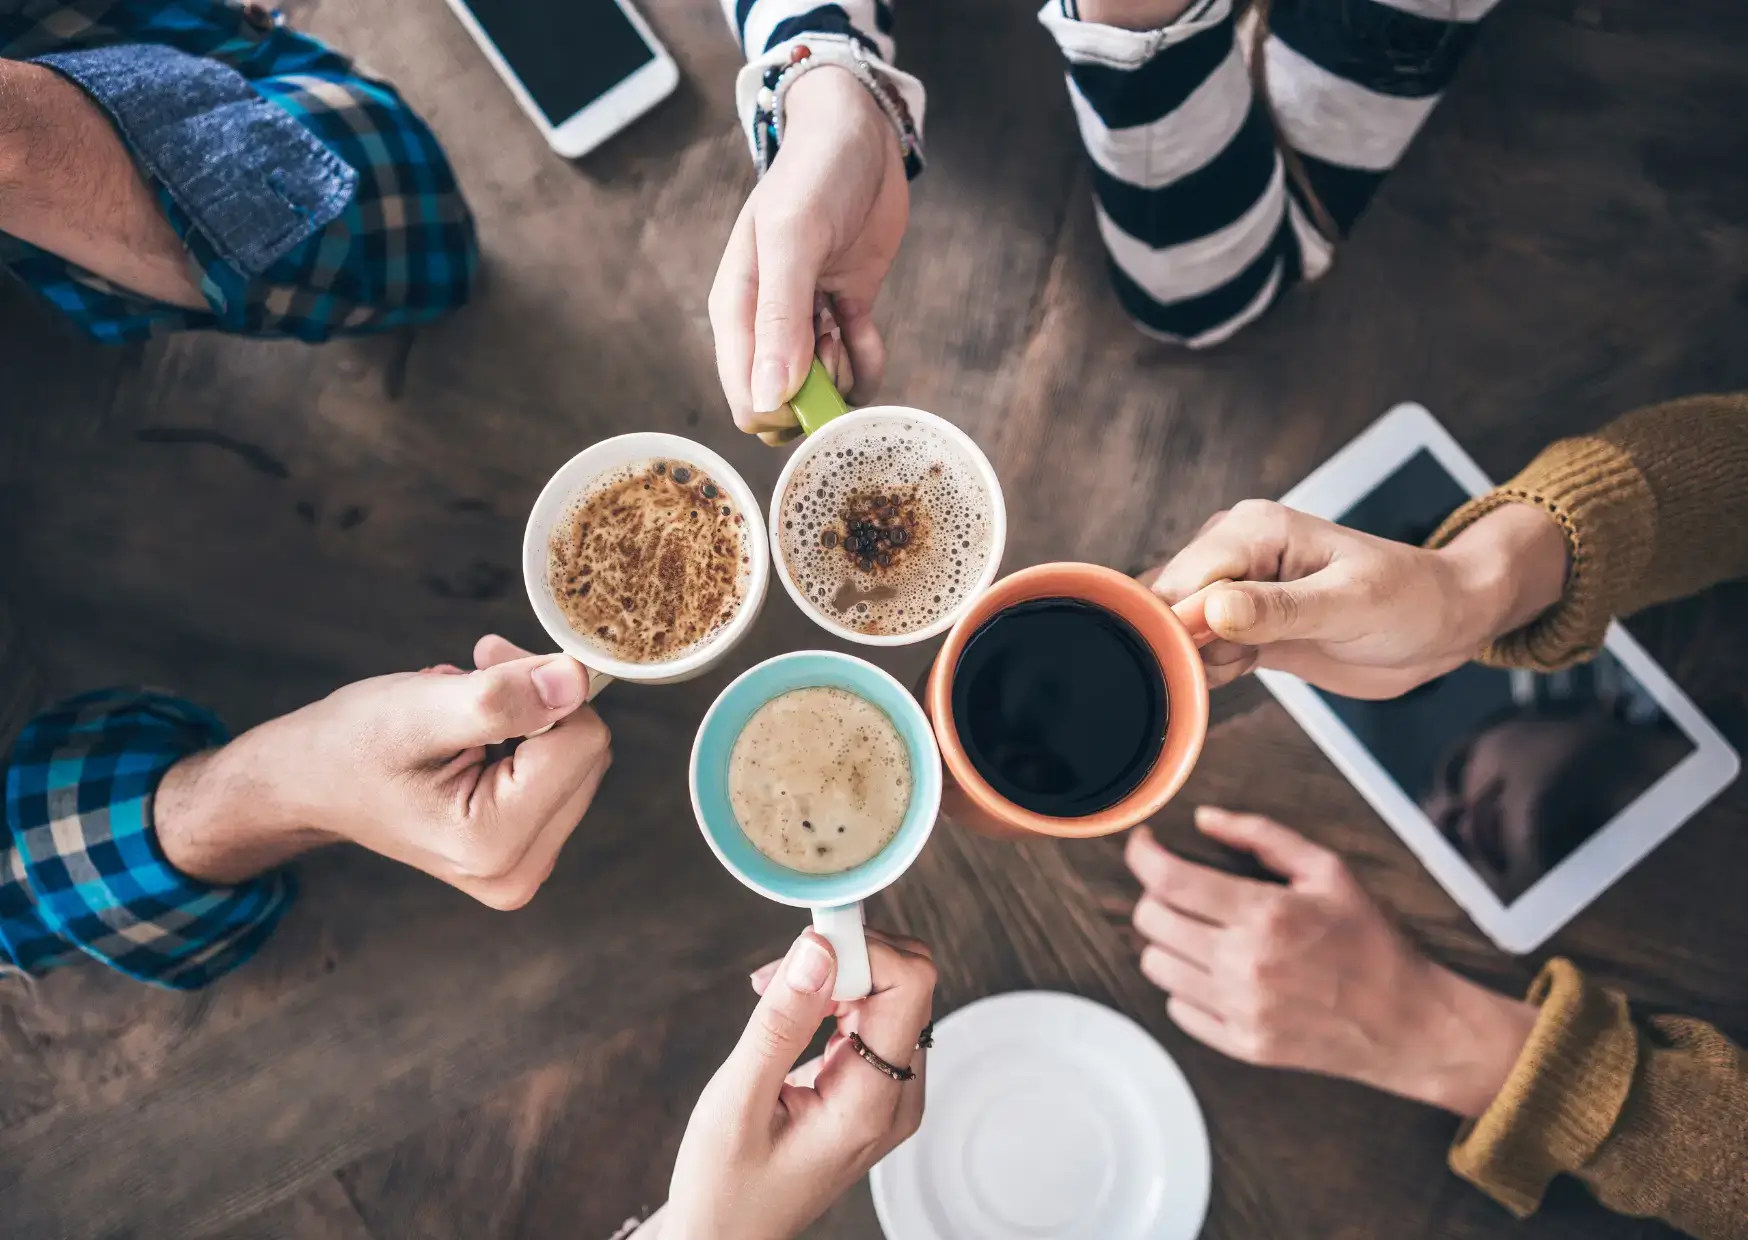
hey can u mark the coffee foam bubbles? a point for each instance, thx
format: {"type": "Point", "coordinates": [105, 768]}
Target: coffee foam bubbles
{"type": "Point", "coordinates": [948, 541]}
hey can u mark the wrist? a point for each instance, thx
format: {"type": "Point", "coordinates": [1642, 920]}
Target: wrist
{"type": "Point", "coordinates": [833, 97]}
{"type": "Point", "coordinates": [1509, 567]}
{"type": "Point", "coordinates": [1474, 1036]}
{"type": "Point", "coordinates": [220, 821]}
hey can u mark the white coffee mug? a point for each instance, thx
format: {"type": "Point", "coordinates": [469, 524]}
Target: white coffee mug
{"type": "Point", "coordinates": [574, 479]}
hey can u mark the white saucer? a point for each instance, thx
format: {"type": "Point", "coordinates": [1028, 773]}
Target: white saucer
{"type": "Point", "coordinates": [1049, 1117]}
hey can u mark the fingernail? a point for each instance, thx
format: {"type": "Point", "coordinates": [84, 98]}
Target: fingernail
{"type": "Point", "coordinates": [808, 965]}
{"type": "Point", "coordinates": [560, 683]}
{"type": "Point", "coordinates": [1209, 813]}
{"type": "Point", "coordinates": [769, 385]}
{"type": "Point", "coordinates": [1231, 610]}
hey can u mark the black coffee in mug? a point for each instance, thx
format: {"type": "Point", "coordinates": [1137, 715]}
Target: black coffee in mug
{"type": "Point", "coordinates": [1061, 706]}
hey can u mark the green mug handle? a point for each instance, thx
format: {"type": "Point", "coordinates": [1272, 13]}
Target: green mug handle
{"type": "Point", "coordinates": [818, 401]}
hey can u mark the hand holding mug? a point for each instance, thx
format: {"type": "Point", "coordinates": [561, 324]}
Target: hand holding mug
{"type": "Point", "coordinates": [769, 1148]}
{"type": "Point", "coordinates": [827, 218]}
{"type": "Point", "coordinates": [1351, 613]}
{"type": "Point", "coordinates": [1311, 974]}
{"type": "Point", "coordinates": [401, 765]}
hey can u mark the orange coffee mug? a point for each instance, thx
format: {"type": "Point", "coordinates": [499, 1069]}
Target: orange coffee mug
{"type": "Point", "coordinates": [968, 799]}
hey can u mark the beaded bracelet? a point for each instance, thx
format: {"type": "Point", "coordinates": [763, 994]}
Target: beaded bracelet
{"type": "Point", "coordinates": [803, 58]}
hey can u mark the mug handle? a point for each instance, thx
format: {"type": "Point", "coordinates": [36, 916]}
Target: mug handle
{"type": "Point", "coordinates": [597, 682]}
{"type": "Point", "coordinates": [818, 401]}
{"type": "Point", "coordinates": [841, 926]}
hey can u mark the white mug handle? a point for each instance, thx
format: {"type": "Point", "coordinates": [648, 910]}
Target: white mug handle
{"type": "Point", "coordinates": [841, 926]}
{"type": "Point", "coordinates": [597, 682]}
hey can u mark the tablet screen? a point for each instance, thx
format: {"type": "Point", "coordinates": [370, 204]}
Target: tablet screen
{"type": "Point", "coordinates": [1515, 769]}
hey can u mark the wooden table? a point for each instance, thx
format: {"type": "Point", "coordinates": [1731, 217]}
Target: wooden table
{"type": "Point", "coordinates": [1565, 241]}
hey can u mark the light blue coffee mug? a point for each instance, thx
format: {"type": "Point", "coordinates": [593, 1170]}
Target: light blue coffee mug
{"type": "Point", "coordinates": [836, 899]}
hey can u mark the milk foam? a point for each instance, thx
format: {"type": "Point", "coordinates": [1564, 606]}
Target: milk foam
{"type": "Point", "coordinates": [819, 780]}
{"type": "Point", "coordinates": [932, 574]}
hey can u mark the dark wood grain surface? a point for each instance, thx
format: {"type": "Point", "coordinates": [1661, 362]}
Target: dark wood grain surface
{"type": "Point", "coordinates": [1565, 240]}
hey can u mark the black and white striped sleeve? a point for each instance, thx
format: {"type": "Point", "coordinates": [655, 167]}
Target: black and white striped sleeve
{"type": "Point", "coordinates": [784, 38]}
{"type": "Point", "coordinates": [1203, 226]}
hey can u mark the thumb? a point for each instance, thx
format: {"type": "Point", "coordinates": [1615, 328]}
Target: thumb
{"type": "Point", "coordinates": [1256, 613]}
{"type": "Point", "coordinates": [797, 999]}
{"type": "Point", "coordinates": [495, 704]}
{"type": "Point", "coordinates": [782, 319]}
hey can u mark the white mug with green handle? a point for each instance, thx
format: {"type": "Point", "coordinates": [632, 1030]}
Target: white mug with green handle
{"type": "Point", "coordinates": [828, 423]}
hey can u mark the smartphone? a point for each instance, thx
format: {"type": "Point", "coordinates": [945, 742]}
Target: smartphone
{"type": "Point", "coordinates": [582, 69]}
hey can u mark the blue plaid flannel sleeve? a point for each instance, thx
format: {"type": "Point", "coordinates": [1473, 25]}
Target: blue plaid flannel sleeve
{"type": "Point", "coordinates": [387, 242]}
{"type": "Point", "coordinates": [81, 869]}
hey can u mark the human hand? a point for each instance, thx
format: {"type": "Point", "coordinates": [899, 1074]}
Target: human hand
{"type": "Point", "coordinates": [826, 220]}
{"type": "Point", "coordinates": [400, 764]}
{"type": "Point", "coordinates": [1311, 974]}
{"type": "Point", "coordinates": [1357, 615]}
{"type": "Point", "coordinates": [769, 1148]}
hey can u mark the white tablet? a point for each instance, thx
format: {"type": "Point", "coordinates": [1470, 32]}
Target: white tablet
{"type": "Point", "coordinates": [1525, 795]}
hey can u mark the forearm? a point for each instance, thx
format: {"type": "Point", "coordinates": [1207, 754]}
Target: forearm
{"type": "Point", "coordinates": [218, 822]}
{"type": "Point", "coordinates": [69, 186]}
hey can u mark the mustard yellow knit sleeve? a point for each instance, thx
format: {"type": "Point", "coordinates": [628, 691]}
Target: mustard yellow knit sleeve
{"type": "Point", "coordinates": [1654, 507]}
{"type": "Point", "coordinates": [1651, 1113]}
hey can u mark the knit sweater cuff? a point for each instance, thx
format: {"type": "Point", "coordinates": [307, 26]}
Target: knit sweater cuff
{"type": "Point", "coordinates": [1563, 1095]}
{"type": "Point", "coordinates": [1605, 507]}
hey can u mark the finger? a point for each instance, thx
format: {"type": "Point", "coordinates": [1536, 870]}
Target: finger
{"type": "Point", "coordinates": [889, 1021]}
{"type": "Point", "coordinates": [1194, 618]}
{"type": "Point", "coordinates": [491, 650]}
{"type": "Point", "coordinates": [804, 1075]}
{"type": "Point", "coordinates": [776, 439]}
{"type": "Point", "coordinates": [733, 297]}
{"type": "Point", "coordinates": [544, 771]}
{"type": "Point", "coordinates": [828, 345]}
{"type": "Point", "coordinates": [867, 352]}
{"type": "Point", "coordinates": [528, 872]}
{"type": "Point", "coordinates": [1281, 849]}
{"type": "Point", "coordinates": [1179, 978]}
{"type": "Point", "coordinates": [901, 942]}
{"type": "Point", "coordinates": [490, 706]}
{"type": "Point", "coordinates": [1188, 887]}
{"type": "Point", "coordinates": [1177, 932]}
{"type": "Point", "coordinates": [789, 1013]}
{"type": "Point", "coordinates": [1257, 613]}
{"type": "Point", "coordinates": [1219, 652]}
{"type": "Point", "coordinates": [761, 976]}
{"type": "Point", "coordinates": [1226, 547]}
{"type": "Point", "coordinates": [788, 273]}
{"type": "Point", "coordinates": [1201, 1024]}
{"type": "Point", "coordinates": [1224, 674]}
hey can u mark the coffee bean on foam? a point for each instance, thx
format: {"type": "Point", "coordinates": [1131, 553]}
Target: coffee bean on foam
{"type": "Point", "coordinates": [887, 530]}
{"type": "Point", "coordinates": [650, 562]}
